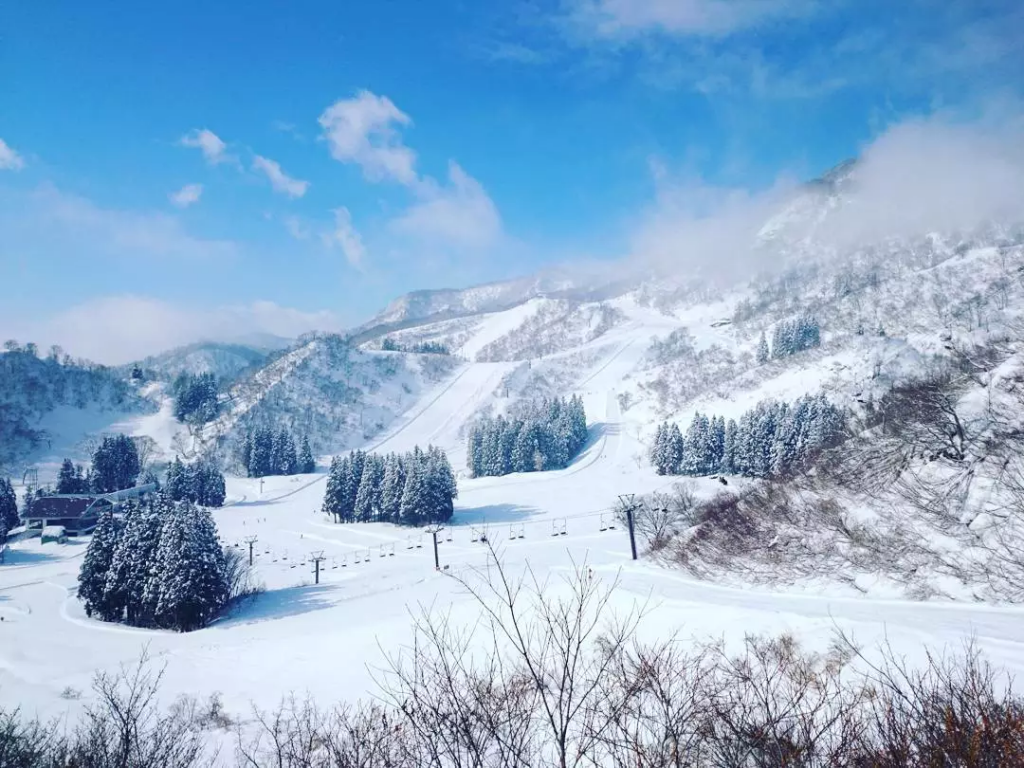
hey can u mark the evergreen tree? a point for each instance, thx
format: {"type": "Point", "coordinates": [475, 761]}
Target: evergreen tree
{"type": "Point", "coordinates": [208, 484]}
{"type": "Point", "coordinates": [8, 505]}
{"type": "Point", "coordinates": [128, 592]}
{"type": "Point", "coordinates": [334, 495]}
{"type": "Point", "coordinates": [92, 575]}
{"type": "Point", "coordinates": [415, 503]}
{"type": "Point", "coordinates": [115, 464]}
{"type": "Point", "coordinates": [176, 484]}
{"type": "Point", "coordinates": [368, 497]}
{"type": "Point", "coordinates": [307, 464]}
{"type": "Point", "coordinates": [676, 449]}
{"type": "Point", "coordinates": [762, 350]}
{"type": "Point", "coordinates": [70, 478]}
{"type": "Point", "coordinates": [192, 584]}
{"type": "Point", "coordinates": [392, 488]}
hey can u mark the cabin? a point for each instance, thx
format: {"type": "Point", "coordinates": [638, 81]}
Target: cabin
{"type": "Point", "coordinates": [76, 513]}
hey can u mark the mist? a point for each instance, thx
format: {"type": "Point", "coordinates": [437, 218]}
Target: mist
{"type": "Point", "coordinates": [917, 177]}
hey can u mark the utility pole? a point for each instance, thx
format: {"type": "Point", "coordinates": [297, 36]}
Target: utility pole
{"type": "Point", "coordinates": [627, 501]}
{"type": "Point", "coordinates": [433, 532]}
{"type": "Point", "coordinates": [250, 540]}
{"type": "Point", "coordinates": [316, 558]}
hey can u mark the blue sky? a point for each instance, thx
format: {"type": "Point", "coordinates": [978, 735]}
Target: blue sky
{"type": "Point", "coordinates": [176, 170]}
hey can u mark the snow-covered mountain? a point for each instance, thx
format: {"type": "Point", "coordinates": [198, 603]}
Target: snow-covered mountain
{"type": "Point", "coordinates": [225, 361]}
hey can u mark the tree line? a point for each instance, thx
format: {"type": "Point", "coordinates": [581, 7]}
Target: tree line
{"type": "Point", "coordinates": [265, 452]}
{"type": "Point", "coordinates": [422, 348]}
{"type": "Point", "coordinates": [547, 435]}
{"type": "Point", "coordinates": [412, 489]}
{"type": "Point", "coordinates": [115, 467]}
{"type": "Point", "coordinates": [195, 398]}
{"type": "Point", "coordinates": [161, 566]}
{"type": "Point", "coordinates": [771, 439]}
{"type": "Point", "coordinates": [788, 338]}
{"type": "Point", "coordinates": [200, 483]}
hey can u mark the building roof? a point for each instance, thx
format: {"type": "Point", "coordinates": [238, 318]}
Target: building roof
{"type": "Point", "coordinates": [66, 507]}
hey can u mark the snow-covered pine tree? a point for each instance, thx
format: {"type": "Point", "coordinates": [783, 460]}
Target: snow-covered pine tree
{"type": "Point", "coordinates": [334, 494]}
{"type": "Point", "coordinates": [307, 464]}
{"type": "Point", "coordinates": [177, 482]}
{"type": "Point", "coordinates": [92, 575]}
{"type": "Point", "coordinates": [128, 589]}
{"type": "Point", "coordinates": [676, 449]}
{"type": "Point", "coordinates": [67, 482]}
{"type": "Point", "coordinates": [392, 488]}
{"type": "Point", "coordinates": [415, 502]}
{"type": "Point", "coordinates": [356, 465]}
{"type": "Point", "coordinates": [287, 458]}
{"type": "Point", "coordinates": [526, 448]}
{"type": "Point", "coordinates": [728, 464]}
{"type": "Point", "coordinates": [440, 487]}
{"type": "Point", "coordinates": [115, 464]}
{"type": "Point", "coordinates": [8, 505]}
{"type": "Point", "coordinates": [193, 584]}
{"type": "Point", "coordinates": [209, 485]}
{"type": "Point", "coordinates": [762, 350]}
{"type": "Point", "coordinates": [367, 504]}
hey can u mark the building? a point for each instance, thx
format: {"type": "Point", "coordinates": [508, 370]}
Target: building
{"type": "Point", "coordinates": [77, 513]}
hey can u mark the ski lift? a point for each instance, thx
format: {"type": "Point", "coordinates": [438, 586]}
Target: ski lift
{"type": "Point", "coordinates": [607, 522]}
{"type": "Point", "coordinates": [516, 532]}
{"type": "Point", "coordinates": [334, 563]}
{"type": "Point", "coordinates": [419, 542]}
{"type": "Point", "coordinates": [558, 527]}
{"type": "Point", "coordinates": [285, 555]}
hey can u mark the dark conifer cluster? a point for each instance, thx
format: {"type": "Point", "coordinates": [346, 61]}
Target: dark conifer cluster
{"type": "Point", "coordinates": [8, 507]}
{"type": "Point", "coordinates": [266, 452]}
{"type": "Point", "coordinates": [794, 336]}
{"type": "Point", "coordinates": [413, 488]}
{"type": "Point", "coordinates": [160, 566]}
{"type": "Point", "coordinates": [548, 435]}
{"type": "Point", "coordinates": [423, 347]}
{"type": "Point", "coordinates": [200, 483]}
{"type": "Point", "coordinates": [195, 398]}
{"type": "Point", "coordinates": [115, 464]}
{"type": "Point", "coordinates": [771, 439]}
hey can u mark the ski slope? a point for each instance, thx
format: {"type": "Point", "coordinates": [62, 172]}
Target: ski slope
{"type": "Point", "coordinates": [328, 639]}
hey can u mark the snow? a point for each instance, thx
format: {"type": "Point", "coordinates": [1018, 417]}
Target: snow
{"type": "Point", "coordinates": [292, 637]}
{"type": "Point", "coordinates": [328, 639]}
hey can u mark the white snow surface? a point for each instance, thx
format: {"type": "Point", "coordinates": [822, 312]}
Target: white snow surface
{"type": "Point", "coordinates": [329, 639]}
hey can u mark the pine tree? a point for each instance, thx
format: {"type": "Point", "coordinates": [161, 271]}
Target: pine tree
{"type": "Point", "coordinates": [8, 505]}
{"type": "Point", "coordinates": [307, 464]}
{"type": "Point", "coordinates": [192, 585]}
{"type": "Point", "coordinates": [92, 575]}
{"type": "Point", "coordinates": [115, 464]}
{"type": "Point", "coordinates": [334, 495]}
{"type": "Point", "coordinates": [67, 482]}
{"type": "Point", "coordinates": [676, 450]}
{"type": "Point", "coordinates": [176, 483]}
{"type": "Point", "coordinates": [128, 586]}
{"type": "Point", "coordinates": [367, 503]}
{"type": "Point", "coordinates": [415, 503]}
{"type": "Point", "coordinates": [392, 488]}
{"type": "Point", "coordinates": [762, 350]}
{"type": "Point", "coordinates": [208, 484]}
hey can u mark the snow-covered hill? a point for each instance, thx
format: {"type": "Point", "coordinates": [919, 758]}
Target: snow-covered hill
{"type": "Point", "coordinates": [225, 361]}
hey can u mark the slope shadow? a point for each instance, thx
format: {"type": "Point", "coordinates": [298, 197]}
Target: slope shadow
{"type": "Point", "coordinates": [595, 432]}
{"type": "Point", "coordinates": [278, 604]}
{"type": "Point", "coordinates": [30, 557]}
{"type": "Point", "coordinates": [492, 513]}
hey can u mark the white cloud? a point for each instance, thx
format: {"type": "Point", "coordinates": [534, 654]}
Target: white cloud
{"type": "Point", "coordinates": [461, 213]}
{"type": "Point", "coordinates": [362, 130]}
{"type": "Point", "coordinates": [279, 180]}
{"type": "Point", "coordinates": [345, 236]}
{"type": "Point", "coordinates": [9, 159]}
{"type": "Point", "coordinates": [210, 144]}
{"type": "Point", "coordinates": [187, 195]}
{"type": "Point", "coordinates": [626, 18]}
{"type": "Point", "coordinates": [297, 228]}
{"type": "Point", "coordinates": [50, 215]}
{"type": "Point", "coordinates": [119, 329]}
{"type": "Point", "coordinates": [919, 176]}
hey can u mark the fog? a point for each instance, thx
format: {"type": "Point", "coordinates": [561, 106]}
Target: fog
{"type": "Point", "coordinates": [917, 177]}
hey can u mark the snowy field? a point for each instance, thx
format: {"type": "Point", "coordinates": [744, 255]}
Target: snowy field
{"type": "Point", "coordinates": [329, 639]}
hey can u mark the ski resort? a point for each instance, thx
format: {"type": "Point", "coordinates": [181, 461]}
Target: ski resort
{"type": "Point", "coordinates": [654, 398]}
